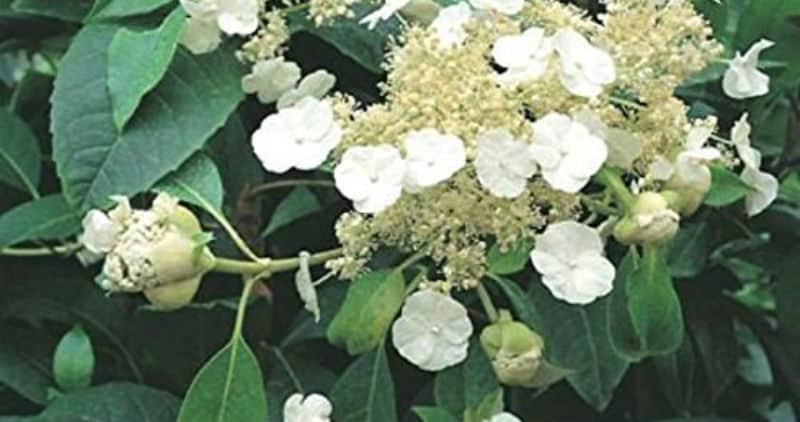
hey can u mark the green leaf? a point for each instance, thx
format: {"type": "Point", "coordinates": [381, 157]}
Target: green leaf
{"type": "Point", "coordinates": [351, 38]}
{"type": "Point", "coordinates": [646, 318]}
{"type": "Point", "coordinates": [577, 337]}
{"type": "Point", "coordinates": [73, 361]}
{"type": "Point", "coordinates": [68, 10]}
{"type": "Point", "coordinates": [229, 388]}
{"type": "Point", "coordinates": [20, 158]}
{"type": "Point", "coordinates": [462, 389]}
{"type": "Point", "coordinates": [365, 392]}
{"type": "Point", "coordinates": [173, 121]}
{"type": "Point", "coordinates": [690, 250]}
{"type": "Point", "coordinates": [197, 182]}
{"type": "Point", "coordinates": [726, 188]}
{"type": "Point", "coordinates": [676, 373]}
{"type": "Point", "coordinates": [433, 414]}
{"type": "Point", "coordinates": [511, 261]}
{"type": "Point", "coordinates": [137, 61]}
{"type": "Point", "coordinates": [47, 218]}
{"type": "Point", "coordinates": [521, 303]}
{"type": "Point", "coordinates": [124, 8]}
{"type": "Point", "coordinates": [24, 374]}
{"type": "Point", "coordinates": [301, 202]}
{"type": "Point", "coordinates": [787, 297]}
{"type": "Point", "coordinates": [372, 301]}
{"type": "Point", "coordinates": [114, 402]}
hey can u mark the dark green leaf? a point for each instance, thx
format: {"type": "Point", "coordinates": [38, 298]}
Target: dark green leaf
{"type": "Point", "coordinates": [463, 388]}
{"type": "Point", "coordinates": [197, 181]}
{"type": "Point", "coordinates": [73, 361]}
{"type": "Point", "coordinates": [20, 158]}
{"type": "Point", "coordinates": [68, 10]}
{"type": "Point", "coordinates": [690, 249]}
{"type": "Point", "coordinates": [726, 188]}
{"type": "Point", "coordinates": [512, 261]}
{"type": "Point", "coordinates": [676, 374]}
{"type": "Point", "coordinates": [122, 8]}
{"type": "Point", "coordinates": [47, 218]}
{"type": "Point", "coordinates": [434, 414]}
{"type": "Point", "coordinates": [229, 388]}
{"type": "Point", "coordinates": [114, 402]}
{"type": "Point", "coordinates": [370, 306]}
{"type": "Point", "coordinates": [301, 202]}
{"type": "Point", "coordinates": [93, 160]}
{"type": "Point", "coordinates": [24, 374]}
{"type": "Point", "coordinates": [365, 392]}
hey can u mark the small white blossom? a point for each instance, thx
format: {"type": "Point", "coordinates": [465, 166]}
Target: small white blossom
{"type": "Point", "coordinates": [271, 78]}
{"type": "Point", "coordinates": [743, 79]}
{"type": "Point", "coordinates": [299, 137]}
{"type": "Point", "coordinates": [503, 163]}
{"type": "Point", "coordinates": [504, 417]}
{"type": "Point", "coordinates": [433, 331]}
{"type": "Point", "coordinates": [200, 36]}
{"type": "Point", "coordinates": [313, 408]}
{"type": "Point", "coordinates": [431, 157]}
{"type": "Point", "coordinates": [238, 17]}
{"type": "Point", "coordinates": [449, 24]}
{"type": "Point", "coordinates": [569, 256]}
{"type": "Point", "coordinates": [525, 56]}
{"type": "Point", "coordinates": [101, 231]}
{"type": "Point", "coordinates": [692, 163]}
{"type": "Point", "coordinates": [233, 17]}
{"type": "Point", "coordinates": [201, 9]}
{"type": "Point", "coordinates": [315, 84]}
{"type": "Point", "coordinates": [585, 69]}
{"type": "Point", "coordinates": [566, 152]}
{"type": "Point", "coordinates": [389, 8]}
{"type": "Point", "coordinates": [371, 176]}
{"type": "Point", "coordinates": [305, 286]}
{"type": "Point", "coordinates": [740, 136]}
{"type": "Point", "coordinates": [765, 190]}
{"type": "Point", "coordinates": [623, 148]}
{"type": "Point", "coordinates": [506, 7]}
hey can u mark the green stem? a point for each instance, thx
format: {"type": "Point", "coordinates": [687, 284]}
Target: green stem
{"type": "Point", "coordinates": [486, 301]}
{"type": "Point", "coordinates": [611, 180]}
{"type": "Point", "coordinates": [65, 249]}
{"type": "Point", "coordinates": [235, 266]}
{"type": "Point", "coordinates": [626, 103]}
{"type": "Point", "coordinates": [266, 187]}
{"type": "Point", "coordinates": [599, 207]}
{"type": "Point", "coordinates": [241, 310]}
{"type": "Point", "coordinates": [234, 235]}
{"type": "Point", "coordinates": [295, 8]}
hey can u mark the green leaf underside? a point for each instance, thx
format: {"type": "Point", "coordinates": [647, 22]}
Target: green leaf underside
{"type": "Point", "coordinates": [301, 202]}
{"type": "Point", "coordinates": [137, 61]}
{"type": "Point", "coordinates": [365, 392]}
{"type": "Point", "coordinates": [93, 160]}
{"type": "Point", "coordinates": [20, 158]}
{"type": "Point", "coordinates": [73, 362]}
{"type": "Point", "coordinates": [123, 8]}
{"type": "Point", "coordinates": [229, 388]}
{"type": "Point", "coordinates": [47, 218]}
{"type": "Point", "coordinates": [197, 181]}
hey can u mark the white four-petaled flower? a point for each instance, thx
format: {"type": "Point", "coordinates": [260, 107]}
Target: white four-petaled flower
{"type": "Point", "coordinates": [208, 18]}
{"type": "Point", "coordinates": [299, 137]}
{"type": "Point", "coordinates": [313, 408]}
{"type": "Point", "coordinates": [238, 17]}
{"type": "Point", "coordinates": [743, 79]}
{"type": "Point", "coordinates": [764, 185]}
{"type": "Point", "coordinates": [585, 69]}
{"type": "Point", "coordinates": [431, 157]}
{"type": "Point", "coordinates": [525, 56]}
{"type": "Point", "coordinates": [449, 24]}
{"type": "Point", "coordinates": [503, 164]}
{"type": "Point", "coordinates": [569, 256]}
{"type": "Point", "coordinates": [316, 84]}
{"type": "Point", "coordinates": [432, 331]}
{"type": "Point", "coordinates": [506, 7]}
{"type": "Point", "coordinates": [271, 78]}
{"type": "Point", "coordinates": [371, 176]}
{"type": "Point", "coordinates": [566, 151]}
{"type": "Point", "coordinates": [623, 148]}
{"type": "Point", "coordinates": [200, 36]}
{"type": "Point", "coordinates": [740, 136]}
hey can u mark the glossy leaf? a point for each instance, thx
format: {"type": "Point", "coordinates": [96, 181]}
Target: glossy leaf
{"type": "Point", "coordinates": [196, 181]}
{"type": "Point", "coordinates": [433, 414]}
{"type": "Point", "coordinates": [123, 8]}
{"type": "Point", "coordinates": [301, 202]}
{"type": "Point", "coordinates": [20, 158]}
{"type": "Point", "coordinates": [46, 218]}
{"type": "Point", "coordinates": [365, 392]}
{"type": "Point", "coordinates": [726, 188]}
{"type": "Point", "coordinates": [73, 362]}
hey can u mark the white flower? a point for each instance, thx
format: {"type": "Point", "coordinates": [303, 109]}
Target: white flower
{"type": "Point", "coordinates": [585, 69]}
{"type": "Point", "coordinates": [389, 8]}
{"type": "Point", "coordinates": [433, 331]}
{"type": "Point", "coordinates": [431, 157]}
{"type": "Point", "coordinates": [314, 408]}
{"type": "Point", "coordinates": [271, 79]}
{"type": "Point", "coordinates": [691, 164]}
{"type": "Point", "coordinates": [201, 9]}
{"type": "Point", "coordinates": [503, 163]}
{"type": "Point", "coordinates": [305, 286]}
{"type": "Point", "coordinates": [504, 417]}
{"type": "Point", "coordinates": [238, 17]}
{"type": "Point", "coordinates": [623, 148]}
{"type": "Point", "coordinates": [765, 190]}
{"type": "Point", "coordinates": [506, 7]}
{"type": "Point", "coordinates": [449, 24]}
{"type": "Point", "coordinates": [661, 169]}
{"type": "Point", "coordinates": [740, 136]}
{"type": "Point", "coordinates": [101, 230]}
{"type": "Point", "coordinates": [566, 152]}
{"type": "Point", "coordinates": [371, 176]}
{"type": "Point", "coordinates": [200, 36]}
{"type": "Point", "coordinates": [569, 256]}
{"type": "Point", "coordinates": [525, 56]}
{"type": "Point", "coordinates": [316, 84]}
{"type": "Point", "coordinates": [299, 137]}
{"type": "Point", "coordinates": [743, 79]}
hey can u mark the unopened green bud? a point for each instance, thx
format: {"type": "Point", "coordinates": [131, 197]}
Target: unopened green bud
{"type": "Point", "coordinates": [689, 190]}
{"type": "Point", "coordinates": [651, 221]}
{"type": "Point", "coordinates": [420, 11]}
{"type": "Point", "coordinates": [515, 351]}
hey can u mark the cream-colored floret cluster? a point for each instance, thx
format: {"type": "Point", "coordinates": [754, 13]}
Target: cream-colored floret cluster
{"type": "Point", "coordinates": [268, 41]}
{"type": "Point", "coordinates": [324, 11]}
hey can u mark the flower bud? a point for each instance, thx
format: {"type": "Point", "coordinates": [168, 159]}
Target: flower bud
{"type": "Point", "coordinates": [420, 11]}
{"type": "Point", "coordinates": [690, 188]}
{"type": "Point", "coordinates": [650, 222]}
{"type": "Point", "coordinates": [515, 351]}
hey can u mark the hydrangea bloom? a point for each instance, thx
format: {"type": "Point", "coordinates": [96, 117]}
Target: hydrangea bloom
{"type": "Point", "coordinates": [506, 7]}
{"type": "Point", "coordinates": [525, 56]}
{"type": "Point", "coordinates": [313, 408]}
{"type": "Point", "coordinates": [449, 24]}
{"type": "Point", "coordinates": [433, 331]}
{"type": "Point", "coordinates": [371, 176]}
{"type": "Point", "coordinates": [503, 163]}
{"type": "Point", "coordinates": [566, 152]}
{"type": "Point", "coordinates": [431, 157]}
{"type": "Point", "coordinates": [299, 137]}
{"type": "Point", "coordinates": [389, 8]}
{"type": "Point", "coordinates": [585, 69]}
{"type": "Point", "coordinates": [315, 84]}
{"type": "Point", "coordinates": [623, 148]}
{"type": "Point", "coordinates": [569, 256]}
{"type": "Point", "coordinates": [743, 79]}
{"type": "Point", "coordinates": [271, 78]}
